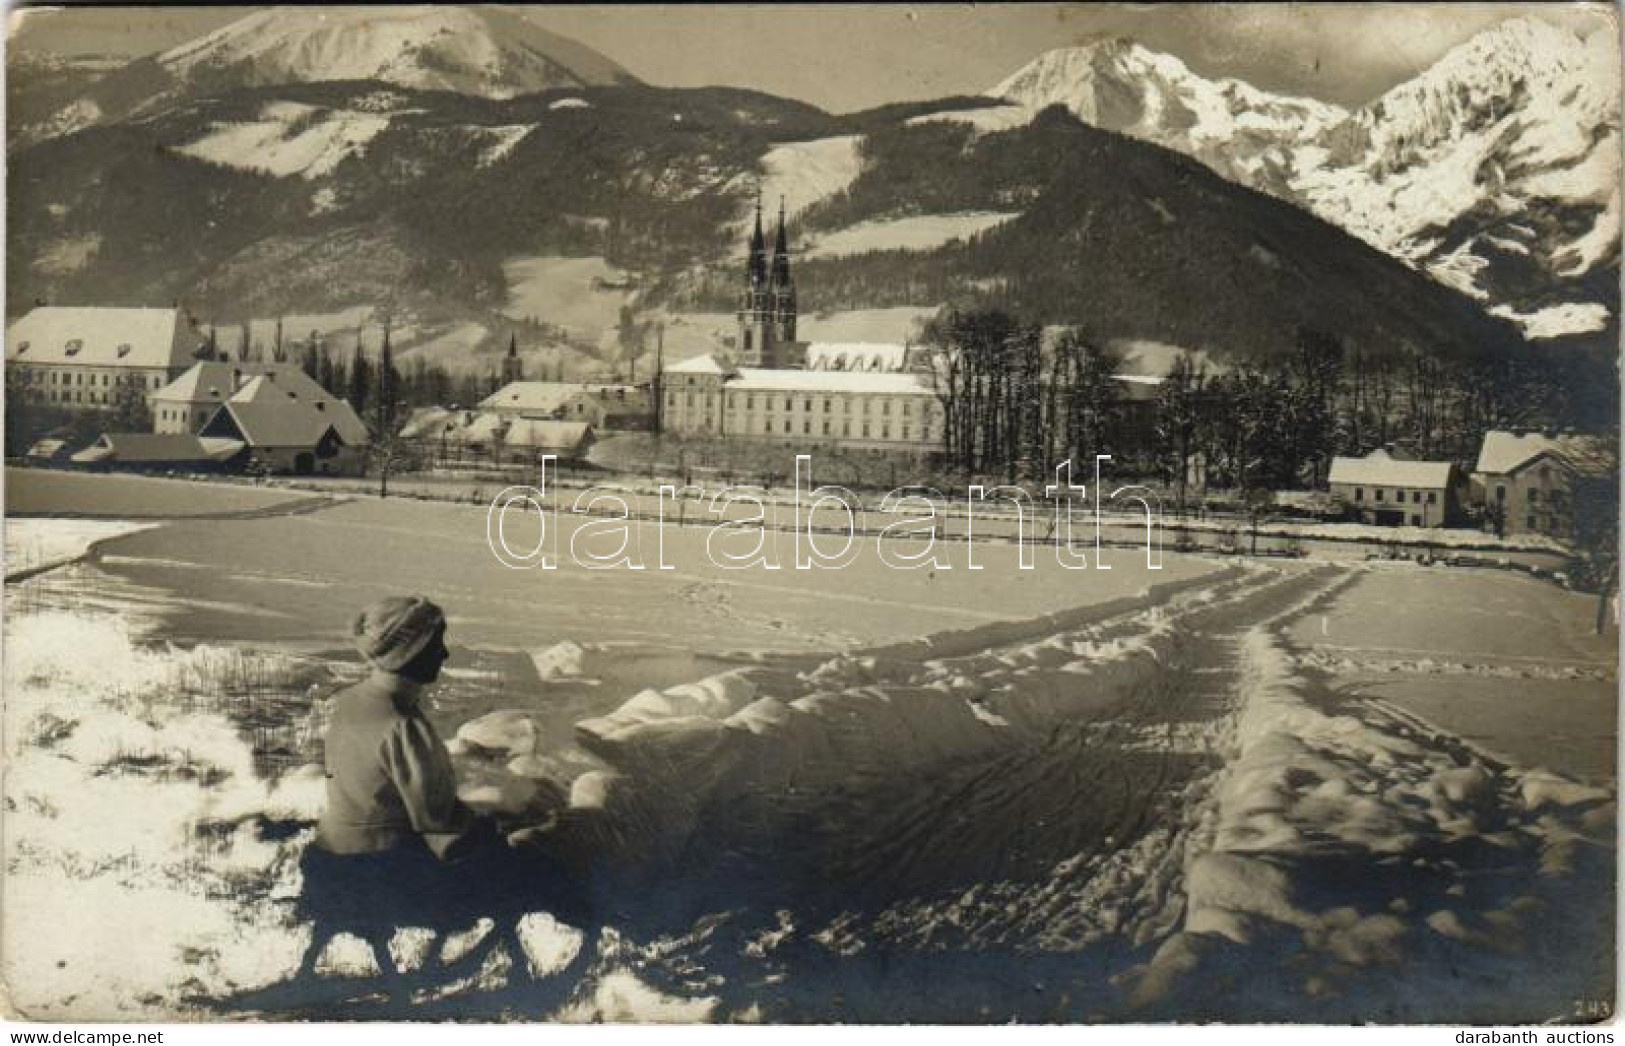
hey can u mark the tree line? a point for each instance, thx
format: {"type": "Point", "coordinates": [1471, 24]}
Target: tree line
{"type": "Point", "coordinates": [1017, 400]}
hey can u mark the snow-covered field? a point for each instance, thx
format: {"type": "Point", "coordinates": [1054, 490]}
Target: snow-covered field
{"type": "Point", "coordinates": [918, 233]}
{"type": "Point", "coordinates": [39, 544]}
{"type": "Point", "coordinates": [805, 172]}
{"type": "Point", "coordinates": [566, 292]}
{"type": "Point", "coordinates": [1128, 797]}
{"type": "Point", "coordinates": [289, 139]}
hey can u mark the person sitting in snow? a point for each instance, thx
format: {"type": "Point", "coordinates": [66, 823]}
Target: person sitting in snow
{"type": "Point", "coordinates": [390, 781]}
{"type": "Point", "coordinates": [394, 845]}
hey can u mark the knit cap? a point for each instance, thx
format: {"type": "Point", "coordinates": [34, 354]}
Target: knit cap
{"type": "Point", "coordinates": [395, 629]}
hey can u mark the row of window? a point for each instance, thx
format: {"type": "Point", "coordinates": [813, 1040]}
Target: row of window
{"type": "Point", "coordinates": [31, 376]}
{"type": "Point", "coordinates": [829, 404]}
{"type": "Point", "coordinates": [865, 430]}
{"type": "Point", "coordinates": [1399, 495]}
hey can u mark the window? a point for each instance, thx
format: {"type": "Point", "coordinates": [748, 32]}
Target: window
{"type": "Point", "coordinates": [808, 405]}
{"type": "Point", "coordinates": [786, 424]}
{"type": "Point", "coordinates": [1433, 497]}
{"type": "Point", "coordinates": [1379, 493]}
{"type": "Point", "coordinates": [787, 406]}
{"type": "Point", "coordinates": [826, 404]}
{"type": "Point", "coordinates": [1500, 493]}
{"type": "Point", "coordinates": [866, 428]}
{"type": "Point", "coordinates": [885, 407]}
{"type": "Point", "coordinates": [846, 428]}
{"type": "Point", "coordinates": [908, 409]}
{"type": "Point", "coordinates": [885, 431]}
{"type": "Point", "coordinates": [750, 402]}
{"type": "Point", "coordinates": [1416, 520]}
{"type": "Point", "coordinates": [1359, 493]}
{"type": "Point", "coordinates": [1416, 497]}
{"type": "Point", "coordinates": [826, 426]}
{"type": "Point", "coordinates": [1534, 495]}
{"type": "Point", "coordinates": [905, 432]}
{"type": "Point", "coordinates": [806, 428]}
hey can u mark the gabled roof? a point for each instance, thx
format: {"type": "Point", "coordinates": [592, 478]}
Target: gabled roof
{"type": "Point", "coordinates": [428, 422]}
{"type": "Point", "coordinates": [103, 337]}
{"type": "Point", "coordinates": [149, 448]}
{"type": "Point", "coordinates": [1507, 452]}
{"type": "Point", "coordinates": [567, 436]}
{"type": "Point", "coordinates": [542, 397]}
{"type": "Point", "coordinates": [699, 365]}
{"type": "Point", "coordinates": [212, 381]}
{"type": "Point", "coordinates": [1378, 469]}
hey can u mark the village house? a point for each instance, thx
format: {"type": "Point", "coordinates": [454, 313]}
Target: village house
{"type": "Point", "coordinates": [287, 430]}
{"type": "Point", "coordinates": [1527, 481]}
{"type": "Point", "coordinates": [611, 407]}
{"type": "Point", "coordinates": [92, 358]}
{"type": "Point", "coordinates": [1386, 489]}
{"type": "Point", "coordinates": [453, 436]}
{"type": "Point", "coordinates": [161, 452]}
{"type": "Point", "coordinates": [183, 405]}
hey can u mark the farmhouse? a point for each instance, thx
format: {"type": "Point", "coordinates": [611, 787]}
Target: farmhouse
{"type": "Point", "coordinates": [183, 405]}
{"type": "Point", "coordinates": [1528, 481]}
{"type": "Point", "coordinates": [146, 451]}
{"type": "Point", "coordinates": [287, 430]}
{"type": "Point", "coordinates": [606, 407]}
{"type": "Point", "coordinates": [489, 436]}
{"type": "Point", "coordinates": [92, 358]}
{"type": "Point", "coordinates": [1384, 489]}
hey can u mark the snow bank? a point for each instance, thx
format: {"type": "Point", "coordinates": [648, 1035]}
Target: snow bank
{"type": "Point", "coordinates": [130, 822]}
{"type": "Point", "coordinates": [759, 732]}
{"type": "Point", "coordinates": [1357, 843]}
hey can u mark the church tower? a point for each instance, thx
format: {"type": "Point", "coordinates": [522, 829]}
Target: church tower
{"type": "Point", "coordinates": [767, 306]}
{"type": "Point", "coordinates": [513, 369]}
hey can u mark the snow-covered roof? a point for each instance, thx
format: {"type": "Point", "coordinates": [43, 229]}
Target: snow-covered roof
{"type": "Point", "coordinates": [546, 397]}
{"type": "Point", "coordinates": [211, 381]}
{"type": "Point", "coordinates": [706, 364]}
{"type": "Point", "coordinates": [149, 447]}
{"type": "Point", "coordinates": [1378, 469]}
{"type": "Point", "coordinates": [1505, 452]}
{"type": "Point", "coordinates": [547, 435]}
{"type": "Point", "coordinates": [102, 337]}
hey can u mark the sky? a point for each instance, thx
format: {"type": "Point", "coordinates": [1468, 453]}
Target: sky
{"type": "Point", "coordinates": [844, 57]}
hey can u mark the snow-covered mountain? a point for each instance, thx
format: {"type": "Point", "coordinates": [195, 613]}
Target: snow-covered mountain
{"type": "Point", "coordinates": [1242, 132]}
{"type": "Point", "coordinates": [1495, 170]}
{"type": "Point", "coordinates": [483, 51]}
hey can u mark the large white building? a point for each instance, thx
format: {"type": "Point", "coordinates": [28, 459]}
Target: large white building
{"type": "Point", "coordinates": [853, 409]}
{"type": "Point", "coordinates": [860, 396]}
{"type": "Point", "coordinates": [85, 358]}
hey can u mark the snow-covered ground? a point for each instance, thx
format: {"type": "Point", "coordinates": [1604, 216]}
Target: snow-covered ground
{"type": "Point", "coordinates": [918, 233]}
{"type": "Point", "coordinates": [39, 544]}
{"type": "Point", "coordinates": [1128, 800]}
{"type": "Point", "coordinates": [290, 139]}
{"type": "Point", "coordinates": [566, 292]}
{"type": "Point", "coordinates": [805, 172]}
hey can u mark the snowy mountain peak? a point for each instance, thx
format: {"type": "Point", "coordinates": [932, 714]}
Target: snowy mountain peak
{"type": "Point", "coordinates": [484, 51]}
{"type": "Point", "coordinates": [1114, 83]}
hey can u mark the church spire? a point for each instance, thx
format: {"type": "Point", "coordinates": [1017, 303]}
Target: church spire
{"type": "Point", "coordinates": [758, 248]}
{"type": "Point", "coordinates": [781, 253]}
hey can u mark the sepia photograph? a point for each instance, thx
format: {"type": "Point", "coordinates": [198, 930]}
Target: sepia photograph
{"type": "Point", "coordinates": [812, 514]}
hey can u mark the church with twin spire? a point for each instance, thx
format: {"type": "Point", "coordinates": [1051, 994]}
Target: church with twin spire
{"type": "Point", "coordinates": [767, 305]}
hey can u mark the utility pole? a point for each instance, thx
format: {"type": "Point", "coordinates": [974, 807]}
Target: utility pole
{"type": "Point", "coordinates": [659, 377]}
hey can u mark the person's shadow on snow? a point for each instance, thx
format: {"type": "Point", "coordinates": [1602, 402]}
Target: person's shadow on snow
{"type": "Point", "coordinates": [374, 896]}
